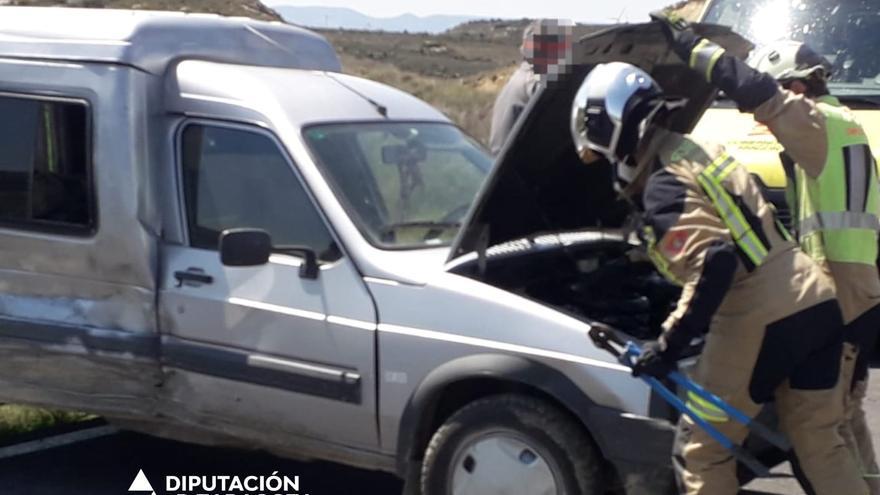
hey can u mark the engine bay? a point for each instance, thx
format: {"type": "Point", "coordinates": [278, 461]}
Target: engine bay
{"type": "Point", "coordinates": [592, 275]}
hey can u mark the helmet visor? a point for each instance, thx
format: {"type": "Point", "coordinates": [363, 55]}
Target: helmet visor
{"type": "Point", "coordinates": [603, 104]}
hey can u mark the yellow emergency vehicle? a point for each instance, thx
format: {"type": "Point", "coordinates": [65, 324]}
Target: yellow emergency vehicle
{"type": "Point", "coordinates": [847, 32]}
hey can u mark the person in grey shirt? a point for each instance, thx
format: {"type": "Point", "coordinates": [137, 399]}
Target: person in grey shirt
{"type": "Point", "coordinates": [546, 50]}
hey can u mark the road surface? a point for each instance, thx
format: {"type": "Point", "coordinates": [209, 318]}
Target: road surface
{"type": "Point", "coordinates": [108, 465]}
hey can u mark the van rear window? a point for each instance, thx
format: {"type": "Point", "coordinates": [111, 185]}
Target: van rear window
{"type": "Point", "coordinates": [45, 179]}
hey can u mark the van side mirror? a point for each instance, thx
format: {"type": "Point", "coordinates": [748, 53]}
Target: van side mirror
{"type": "Point", "coordinates": [309, 268]}
{"type": "Point", "coordinates": [245, 247]}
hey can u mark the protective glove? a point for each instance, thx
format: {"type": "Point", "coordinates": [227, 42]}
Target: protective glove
{"type": "Point", "coordinates": [678, 31]}
{"type": "Point", "coordinates": [655, 360]}
{"type": "Point", "coordinates": [671, 19]}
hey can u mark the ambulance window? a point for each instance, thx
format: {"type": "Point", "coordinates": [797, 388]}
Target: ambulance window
{"type": "Point", "coordinates": [45, 176]}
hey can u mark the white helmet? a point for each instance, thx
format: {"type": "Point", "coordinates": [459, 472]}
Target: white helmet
{"type": "Point", "coordinates": [790, 60]}
{"type": "Point", "coordinates": [610, 114]}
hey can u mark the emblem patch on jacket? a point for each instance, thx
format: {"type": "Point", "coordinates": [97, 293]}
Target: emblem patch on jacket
{"type": "Point", "coordinates": [674, 242]}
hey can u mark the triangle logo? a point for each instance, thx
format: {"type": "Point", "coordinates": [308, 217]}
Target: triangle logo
{"type": "Point", "coordinates": [141, 484]}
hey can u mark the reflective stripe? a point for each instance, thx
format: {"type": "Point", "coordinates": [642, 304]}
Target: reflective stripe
{"type": "Point", "coordinates": [783, 231]}
{"type": "Point", "coordinates": [704, 56]}
{"type": "Point", "coordinates": [663, 265]}
{"type": "Point", "coordinates": [753, 248]}
{"type": "Point", "coordinates": [706, 410]}
{"type": "Point", "coordinates": [733, 218]}
{"type": "Point", "coordinates": [723, 169]}
{"type": "Point", "coordinates": [660, 261]}
{"type": "Point", "coordinates": [839, 220]}
{"type": "Point", "coordinates": [856, 161]}
{"type": "Point", "coordinates": [695, 52]}
{"type": "Point", "coordinates": [712, 61]}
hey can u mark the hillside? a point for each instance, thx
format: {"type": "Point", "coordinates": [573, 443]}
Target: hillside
{"type": "Point", "coordinates": [460, 71]}
{"type": "Point", "coordinates": [344, 18]}
{"type": "Point", "coordinates": [468, 49]}
{"type": "Point", "coordinates": [245, 8]}
{"type": "Point", "coordinates": [444, 56]}
{"type": "Point", "coordinates": [459, 75]}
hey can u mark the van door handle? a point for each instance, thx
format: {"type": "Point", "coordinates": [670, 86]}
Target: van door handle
{"type": "Point", "coordinates": [194, 276]}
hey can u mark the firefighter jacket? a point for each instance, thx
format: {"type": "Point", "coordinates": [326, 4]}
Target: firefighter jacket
{"type": "Point", "coordinates": [832, 186]}
{"type": "Point", "coordinates": [709, 229]}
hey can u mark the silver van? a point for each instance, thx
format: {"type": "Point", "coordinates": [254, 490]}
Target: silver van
{"type": "Point", "coordinates": [208, 232]}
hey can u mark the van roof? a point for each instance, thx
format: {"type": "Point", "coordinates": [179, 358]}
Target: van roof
{"type": "Point", "coordinates": [151, 41]}
{"type": "Point", "coordinates": [297, 97]}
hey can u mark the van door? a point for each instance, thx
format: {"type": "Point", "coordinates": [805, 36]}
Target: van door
{"type": "Point", "coordinates": [261, 350]}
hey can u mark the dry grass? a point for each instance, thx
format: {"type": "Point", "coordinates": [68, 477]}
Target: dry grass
{"type": "Point", "coordinates": [16, 420]}
{"type": "Point", "coordinates": [450, 56]}
{"type": "Point", "coordinates": [459, 72]}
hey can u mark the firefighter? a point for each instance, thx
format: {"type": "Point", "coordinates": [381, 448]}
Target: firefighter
{"type": "Point", "coordinates": [546, 50]}
{"type": "Point", "coordinates": [832, 190]}
{"type": "Point", "coordinates": [774, 325]}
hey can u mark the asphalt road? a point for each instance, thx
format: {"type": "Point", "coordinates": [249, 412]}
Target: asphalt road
{"type": "Point", "coordinates": [108, 466]}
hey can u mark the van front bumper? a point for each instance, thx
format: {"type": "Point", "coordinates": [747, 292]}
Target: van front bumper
{"type": "Point", "coordinates": [639, 448]}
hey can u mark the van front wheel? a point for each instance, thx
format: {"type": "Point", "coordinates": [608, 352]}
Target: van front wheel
{"type": "Point", "coordinates": [510, 444]}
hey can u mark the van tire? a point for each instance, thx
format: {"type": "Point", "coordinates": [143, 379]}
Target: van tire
{"type": "Point", "coordinates": [569, 452]}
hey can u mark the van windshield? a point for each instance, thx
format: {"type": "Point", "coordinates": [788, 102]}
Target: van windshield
{"type": "Point", "coordinates": [846, 32]}
{"type": "Point", "coordinates": [406, 185]}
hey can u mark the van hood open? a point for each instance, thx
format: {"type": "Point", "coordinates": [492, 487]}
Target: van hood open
{"type": "Point", "coordinates": [538, 184]}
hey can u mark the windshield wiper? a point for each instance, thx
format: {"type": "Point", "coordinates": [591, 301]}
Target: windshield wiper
{"type": "Point", "coordinates": [389, 229]}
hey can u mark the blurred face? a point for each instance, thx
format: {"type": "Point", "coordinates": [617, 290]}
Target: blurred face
{"type": "Point", "coordinates": [796, 87]}
{"type": "Point", "coordinates": [546, 51]}
{"type": "Point", "coordinates": [547, 46]}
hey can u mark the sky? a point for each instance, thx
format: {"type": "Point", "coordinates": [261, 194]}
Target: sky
{"type": "Point", "coordinates": [577, 10]}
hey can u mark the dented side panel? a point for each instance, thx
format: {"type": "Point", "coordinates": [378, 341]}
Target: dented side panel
{"type": "Point", "coordinates": [77, 313]}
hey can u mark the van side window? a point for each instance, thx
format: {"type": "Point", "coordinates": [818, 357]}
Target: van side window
{"type": "Point", "coordinates": [45, 177]}
{"type": "Point", "coordinates": [234, 178]}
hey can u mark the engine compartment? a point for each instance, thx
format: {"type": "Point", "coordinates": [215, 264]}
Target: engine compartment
{"type": "Point", "coordinates": [592, 275]}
